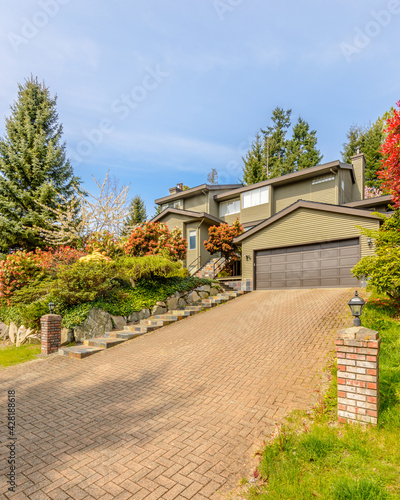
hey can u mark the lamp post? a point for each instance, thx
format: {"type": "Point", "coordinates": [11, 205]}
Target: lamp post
{"type": "Point", "coordinates": [356, 305]}
{"type": "Point", "coordinates": [51, 307]}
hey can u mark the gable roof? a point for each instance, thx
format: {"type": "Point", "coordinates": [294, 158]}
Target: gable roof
{"type": "Point", "coordinates": [285, 179]}
{"type": "Point", "coordinates": [187, 213]}
{"type": "Point", "coordinates": [324, 207]}
{"type": "Point", "coordinates": [186, 193]}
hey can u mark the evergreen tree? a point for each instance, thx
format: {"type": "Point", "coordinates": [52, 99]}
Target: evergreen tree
{"type": "Point", "coordinates": [137, 214]}
{"type": "Point", "coordinates": [254, 169]}
{"type": "Point", "coordinates": [301, 151]}
{"type": "Point", "coordinates": [275, 142]}
{"type": "Point", "coordinates": [33, 168]}
{"type": "Point", "coordinates": [212, 177]}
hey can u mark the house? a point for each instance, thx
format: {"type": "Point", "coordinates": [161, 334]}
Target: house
{"type": "Point", "coordinates": [300, 228]}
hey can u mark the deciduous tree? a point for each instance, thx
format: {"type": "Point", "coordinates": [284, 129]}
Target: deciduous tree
{"type": "Point", "coordinates": [221, 240]}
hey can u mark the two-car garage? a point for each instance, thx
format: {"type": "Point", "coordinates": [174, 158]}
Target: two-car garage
{"type": "Point", "coordinates": [326, 264]}
{"type": "Point", "coordinates": [306, 245]}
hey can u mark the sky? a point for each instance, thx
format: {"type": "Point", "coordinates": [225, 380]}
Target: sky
{"type": "Point", "coordinates": [160, 92]}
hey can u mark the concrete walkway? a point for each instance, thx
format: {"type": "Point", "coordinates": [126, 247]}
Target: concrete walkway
{"type": "Point", "coordinates": [176, 413]}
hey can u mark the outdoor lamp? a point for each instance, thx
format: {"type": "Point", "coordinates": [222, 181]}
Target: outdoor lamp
{"type": "Point", "coordinates": [356, 305]}
{"type": "Point", "coordinates": [51, 307]}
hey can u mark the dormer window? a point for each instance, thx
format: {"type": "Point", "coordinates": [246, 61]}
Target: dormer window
{"type": "Point", "coordinates": [255, 197]}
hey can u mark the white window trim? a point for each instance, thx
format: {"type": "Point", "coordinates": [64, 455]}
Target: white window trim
{"type": "Point", "coordinates": [223, 204]}
{"type": "Point", "coordinates": [193, 233]}
{"type": "Point", "coordinates": [247, 196]}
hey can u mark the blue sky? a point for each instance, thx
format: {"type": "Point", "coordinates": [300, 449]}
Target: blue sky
{"type": "Point", "coordinates": [160, 92]}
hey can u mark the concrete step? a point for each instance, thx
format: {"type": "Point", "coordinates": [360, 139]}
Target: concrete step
{"type": "Point", "coordinates": [102, 342]}
{"type": "Point", "coordinates": [144, 328]}
{"type": "Point", "coordinates": [155, 322]}
{"type": "Point", "coordinates": [122, 334]}
{"type": "Point", "coordinates": [78, 352]}
{"type": "Point", "coordinates": [207, 303]}
{"type": "Point", "coordinates": [224, 296]}
{"type": "Point", "coordinates": [194, 309]}
{"type": "Point", "coordinates": [181, 312]}
{"type": "Point", "coordinates": [169, 317]}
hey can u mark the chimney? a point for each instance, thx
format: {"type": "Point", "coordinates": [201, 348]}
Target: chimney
{"type": "Point", "coordinates": [358, 162]}
{"type": "Point", "coordinates": [176, 189]}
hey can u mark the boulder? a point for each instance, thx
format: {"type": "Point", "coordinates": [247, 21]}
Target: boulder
{"type": "Point", "coordinates": [119, 322]}
{"type": "Point", "coordinates": [161, 304]}
{"type": "Point", "coordinates": [193, 297]}
{"type": "Point", "coordinates": [27, 336]}
{"type": "Point", "coordinates": [182, 303]}
{"type": "Point", "coordinates": [214, 291]}
{"type": "Point", "coordinates": [158, 310]}
{"type": "Point", "coordinates": [12, 332]}
{"type": "Point", "coordinates": [95, 325]}
{"type": "Point", "coordinates": [204, 295]}
{"type": "Point", "coordinates": [172, 303]}
{"type": "Point", "coordinates": [204, 288]}
{"type": "Point", "coordinates": [3, 331]}
{"type": "Point", "coordinates": [67, 335]}
{"type": "Point", "coordinates": [144, 314]}
{"type": "Point", "coordinates": [133, 317]}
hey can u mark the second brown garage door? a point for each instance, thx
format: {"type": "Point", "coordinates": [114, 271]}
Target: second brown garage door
{"type": "Point", "coordinates": [308, 266]}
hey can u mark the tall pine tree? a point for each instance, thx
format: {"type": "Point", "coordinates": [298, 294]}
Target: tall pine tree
{"type": "Point", "coordinates": [254, 169]}
{"type": "Point", "coordinates": [137, 215]}
{"type": "Point", "coordinates": [275, 142]}
{"type": "Point", "coordinates": [301, 151]}
{"type": "Point", "coordinates": [33, 167]}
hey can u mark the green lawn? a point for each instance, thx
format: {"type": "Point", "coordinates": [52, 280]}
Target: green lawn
{"type": "Point", "coordinates": [315, 457]}
{"type": "Point", "coordinates": [11, 355]}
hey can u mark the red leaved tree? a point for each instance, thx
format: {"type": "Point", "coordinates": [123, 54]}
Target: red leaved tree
{"type": "Point", "coordinates": [221, 240]}
{"type": "Point", "coordinates": [390, 172]}
{"type": "Point", "coordinates": [154, 238]}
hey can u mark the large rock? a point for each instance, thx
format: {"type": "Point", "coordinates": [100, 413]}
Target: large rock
{"type": "Point", "coordinates": [4, 331]}
{"type": "Point", "coordinates": [144, 314]}
{"type": "Point", "coordinates": [158, 310]}
{"type": "Point", "coordinates": [193, 297]}
{"type": "Point", "coordinates": [67, 336]}
{"type": "Point", "coordinates": [172, 303]}
{"type": "Point", "coordinates": [133, 317]}
{"type": "Point", "coordinates": [119, 322]}
{"type": "Point", "coordinates": [161, 304]}
{"type": "Point", "coordinates": [204, 288]}
{"type": "Point", "coordinates": [12, 332]}
{"type": "Point", "coordinates": [204, 295]}
{"type": "Point", "coordinates": [214, 291]}
{"type": "Point", "coordinates": [182, 303]}
{"type": "Point", "coordinates": [27, 336]}
{"type": "Point", "coordinates": [95, 325]}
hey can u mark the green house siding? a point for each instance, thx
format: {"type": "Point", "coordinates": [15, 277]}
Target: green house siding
{"type": "Point", "coordinates": [305, 226]}
{"type": "Point", "coordinates": [198, 203]}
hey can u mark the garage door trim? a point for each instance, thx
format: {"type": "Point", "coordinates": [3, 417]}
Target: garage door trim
{"type": "Point", "coordinates": [299, 245]}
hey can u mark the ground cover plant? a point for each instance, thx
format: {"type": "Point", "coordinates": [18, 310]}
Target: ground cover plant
{"type": "Point", "coordinates": [313, 456]}
{"type": "Point", "coordinates": [11, 355]}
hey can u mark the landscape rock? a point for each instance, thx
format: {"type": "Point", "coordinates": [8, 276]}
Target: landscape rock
{"type": "Point", "coordinates": [67, 335]}
{"type": "Point", "coordinates": [3, 331]}
{"type": "Point", "coordinates": [119, 322]}
{"type": "Point", "coordinates": [12, 332]}
{"type": "Point", "coordinates": [214, 291]}
{"type": "Point", "coordinates": [161, 304]}
{"type": "Point", "coordinates": [95, 325]}
{"type": "Point", "coordinates": [182, 303]}
{"type": "Point", "coordinates": [158, 310]}
{"type": "Point", "coordinates": [144, 314]}
{"type": "Point", "coordinates": [133, 317]}
{"type": "Point", "coordinates": [193, 297]}
{"type": "Point", "coordinates": [172, 303]}
{"type": "Point", "coordinates": [205, 288]}
{"type": "Point", "coordinates": [27, 336]}
{"type": "Point", "coordinates": [204, 295]}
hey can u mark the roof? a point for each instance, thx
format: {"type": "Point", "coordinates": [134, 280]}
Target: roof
{"type": "Point", "coordinates": [187, 213]}
{"type": "Point", "coordinates": [284, 179]}
{"type": "Point", "coordinates": [186, 193]}
{"type": "Point", "coordinates": [324, 207]}
{"type": "Point", "coordinates": [370, 202]}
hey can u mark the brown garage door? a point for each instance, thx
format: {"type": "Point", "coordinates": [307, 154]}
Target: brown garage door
{"type": "Point", "coordinates": [308, 266]}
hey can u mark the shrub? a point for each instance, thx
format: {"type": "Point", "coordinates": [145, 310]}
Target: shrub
{"type": "Point", "coordinates": [154, 238]}
{"type": "Point", "coordinates": [84, 282]}
{"type": "Point", "coordinates": [136, 268]}
{"type": "Point", "coordinates": [221, 240]}
{"type": "Point", "coordinates": [95, 257]}
{"type": "Point", "coordinates": [105, 243]}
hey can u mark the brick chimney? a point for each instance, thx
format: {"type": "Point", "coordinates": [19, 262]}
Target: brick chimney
{"type": "Point", "coordinates": [176, 189]}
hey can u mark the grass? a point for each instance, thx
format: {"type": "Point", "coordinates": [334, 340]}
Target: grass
{"type": "Point", "coordinates": [11, 355]}
{"type": "Point", "coordinates": [315, 457]}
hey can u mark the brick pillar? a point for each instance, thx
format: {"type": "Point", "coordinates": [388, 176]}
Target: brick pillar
{"type": "Point", "coordinates": [50, 333]}
{"type": "Point", "coordinates": [357, 352]}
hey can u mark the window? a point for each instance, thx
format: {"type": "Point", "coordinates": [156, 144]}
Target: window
{"type": "Point", "coordinates": [172, 204]}
{"type": "Point", "coordinates": [255, 197]}
{"type": "Point", "coordinates": [229, 207]}
{"type": "Point", "coordinates": [192, 240]}
{"type": "Point", "coordinates": [324, 178]}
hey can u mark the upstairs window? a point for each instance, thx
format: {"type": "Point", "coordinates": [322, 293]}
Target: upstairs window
{"type": "Point", "coordinates": [229, 207]}
{"type": "Point", "coordinates": [323, 178]}
{"type": "Point", "coordinates": [255, 197]}
{"type": "Point", "coordinates": [172, 204]}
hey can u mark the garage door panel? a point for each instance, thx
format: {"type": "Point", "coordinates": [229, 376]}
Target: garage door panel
{"type": "Point", "coordinates": [326, 264]}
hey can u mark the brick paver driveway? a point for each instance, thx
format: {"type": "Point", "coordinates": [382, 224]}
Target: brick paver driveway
{"type": "Point", "coordinates": [175, 413]}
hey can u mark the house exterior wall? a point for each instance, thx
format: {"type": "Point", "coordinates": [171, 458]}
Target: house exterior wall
{"type": "Point", "coordinates": [174, 220]}
{"type": "Point", "coordinates": [358, 162]}
{"type": "Point", "coordinates": [345, 195]}
{"type": "Point", "coordinates": [197, 203]}
{"type": "Point", "coordinates": [305, 226]}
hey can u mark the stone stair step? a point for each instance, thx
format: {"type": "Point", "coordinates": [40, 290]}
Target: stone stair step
{"type": "Point", "coordinates": [155, 322]}
{"type": "Point", "coordinates": [169, 317]}
{"type": "Point", "coordinates": [194, 309]}
{"type": "Point", "coordinates": [224, 296]}
{"type": "Point", "coordinates": [78, 352]}
{"type": "Point", "coordinates": [207, 303]}
{"type": "Point", "coordinates": [144, 328]}
{"type": "Point", "coordinates": [102, 342]}
{"type": "Point", "coordinates": [184, 313]}
{"type": "Point", "coordinates": [122, 334]}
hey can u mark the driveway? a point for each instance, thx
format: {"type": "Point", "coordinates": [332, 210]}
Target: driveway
{"type": "Point", "coordinates": [176, 413]}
